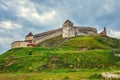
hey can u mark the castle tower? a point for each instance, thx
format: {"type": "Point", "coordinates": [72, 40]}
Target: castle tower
{"type": "Point", "coordinates": [68, 29]}
{"type": "Point", "coordinates": [104, 33]}
{"type": "Point", "coordinates": [29, 37]}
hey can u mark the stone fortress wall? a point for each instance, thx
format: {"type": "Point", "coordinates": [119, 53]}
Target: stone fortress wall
{"type": "Point", "coordinates": [68, 30]}
{"type": "Point", "coordinates": [46, 35]}
{"type": "Point", "coordinates": [19, 44]}
{"type": "Point", "coordinates": [80, 30]}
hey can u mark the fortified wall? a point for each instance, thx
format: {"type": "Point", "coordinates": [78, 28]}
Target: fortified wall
{"type": "Point", "coordinates": [68, 30]}
{"type": "Point", "coordinates": [46, 35]}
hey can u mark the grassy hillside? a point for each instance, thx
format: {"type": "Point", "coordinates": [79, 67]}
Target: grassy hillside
{"type": "Point", "coordinates": [63, 55]}
{"type": "Point", "coordinates": [82, 43]}
{"type": "Point", "coordinates": [41, 59]}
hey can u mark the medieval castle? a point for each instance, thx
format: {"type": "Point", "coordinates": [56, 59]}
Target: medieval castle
{"type": "Point", "coordinates": [68, 30]}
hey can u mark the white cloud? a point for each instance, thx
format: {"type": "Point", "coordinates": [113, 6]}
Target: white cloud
{"type": "Point", "coordinates": [39, 14]}
{"type": "Point", "coordinates": [3, 7]}
{"type": "Point", "coordinates": [47, 15]}
{"type": "Point", "coordinates": [28, 10]}
{"type": "Point", "coordinates": [2, 31]}
{"type": "Point", "coordinates": [115, 34]}
{"type": "Point", "coordinates": [5, 43]}
{"type": "Point", "coordinates": [9, 25]}
{"type": "Point", "coordinates": [6, 40]}
{"type": "Point", "coordinates": [32, 15]}
{"type": "Point", "coordinates": [108, 6]}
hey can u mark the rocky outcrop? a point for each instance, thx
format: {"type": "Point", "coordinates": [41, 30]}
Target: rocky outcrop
{"type": "Point", "coordinates": [111, 75]}
{"type": "Point", "coordinates": [118, 55]}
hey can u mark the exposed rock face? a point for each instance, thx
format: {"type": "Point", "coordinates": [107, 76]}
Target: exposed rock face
{"type": "Point", "coordinates": [118, 55]}
{"type": "Point", "coordinates": [110, 76]}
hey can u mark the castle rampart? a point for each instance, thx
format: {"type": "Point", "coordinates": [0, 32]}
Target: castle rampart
{"type": "Point", "coordinates": [68, 30]}
{"type": "Point", "coordinates": [80, 30]}
{"type": "Point", "coordinates": [46, 35]}
{"type": "Point", "coordinates": [17, 44]}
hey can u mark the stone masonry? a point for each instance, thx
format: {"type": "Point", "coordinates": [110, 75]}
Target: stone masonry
{"type": "Point", "coordinates": [68, 30]}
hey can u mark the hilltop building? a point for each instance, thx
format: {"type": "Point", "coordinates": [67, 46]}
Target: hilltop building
{"type": "Point", "coordinates": [68, 30]}
{"type": "Point", "coordinates": [28, 42]}
{"type": "Point", "coordinates": [104, 32]}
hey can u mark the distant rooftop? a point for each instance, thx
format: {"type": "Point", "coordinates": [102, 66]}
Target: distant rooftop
{"type": "Point", "coordinates": [30, 34]}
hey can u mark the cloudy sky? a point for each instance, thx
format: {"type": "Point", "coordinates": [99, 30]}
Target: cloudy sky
{"type": "Point", "coordinates": [19, 17]}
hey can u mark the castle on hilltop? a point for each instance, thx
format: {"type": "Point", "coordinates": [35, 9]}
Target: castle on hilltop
{"type": "Point", "coordinates": [68, 30]}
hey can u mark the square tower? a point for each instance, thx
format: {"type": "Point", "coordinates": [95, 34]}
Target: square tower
{"type": "Point", "coordinates": [68, 29]}
{"type": "Point", "coordinates": [29, 37]}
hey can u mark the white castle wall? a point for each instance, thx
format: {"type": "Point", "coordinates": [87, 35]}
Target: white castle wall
{"type": "Point", "coordinates": [19, 44]}
{"type": "Point", "coordinates": [67, 30]}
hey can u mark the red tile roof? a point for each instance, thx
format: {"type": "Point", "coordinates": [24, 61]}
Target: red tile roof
{"type": "Point", "coordinates": [30, 34]}
{"type": "Point", "coordinates": [31, 45]}
{"type": "Point", "coordinates": [67, 21]}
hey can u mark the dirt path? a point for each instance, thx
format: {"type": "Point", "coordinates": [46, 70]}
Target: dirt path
{"type": "Point", "coordinates": [10, 63]}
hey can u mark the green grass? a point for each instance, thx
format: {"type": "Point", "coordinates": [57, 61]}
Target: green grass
{"type": "Point", "coordinates": [93, 74]}
{"type": "Point", "coordinates": [65, 57]}
{"type": "Point", "coordinates": [46, 76]}
{"type": "Point", "coordinates": [42, 59]}
{"type": "Point", "coordinates": [82, 43]}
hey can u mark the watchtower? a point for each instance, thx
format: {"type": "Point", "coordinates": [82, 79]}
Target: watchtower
{"type": "Point", "coordinates": [68, 29]}
{"type": "Point", "coordinates": [29, 37]}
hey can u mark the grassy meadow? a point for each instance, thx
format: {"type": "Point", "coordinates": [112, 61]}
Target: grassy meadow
{"type": "Point", "coordinates": [83, 57]}
{"type": "Point", "coordinates": [83, 74]}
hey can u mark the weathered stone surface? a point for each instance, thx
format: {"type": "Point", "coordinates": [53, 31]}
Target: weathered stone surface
{"type": "Point", "coordinates": [110, 75]}
{"type": "Point", "coordinates": [118, 55]}
{"type": "Point", "coordinates": [68, 29]}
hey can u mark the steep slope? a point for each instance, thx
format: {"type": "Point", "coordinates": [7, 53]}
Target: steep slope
{"type": "Point", "coordinates": [82, 42]}
{"type": "Point", "coordinates": [57, 53]}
